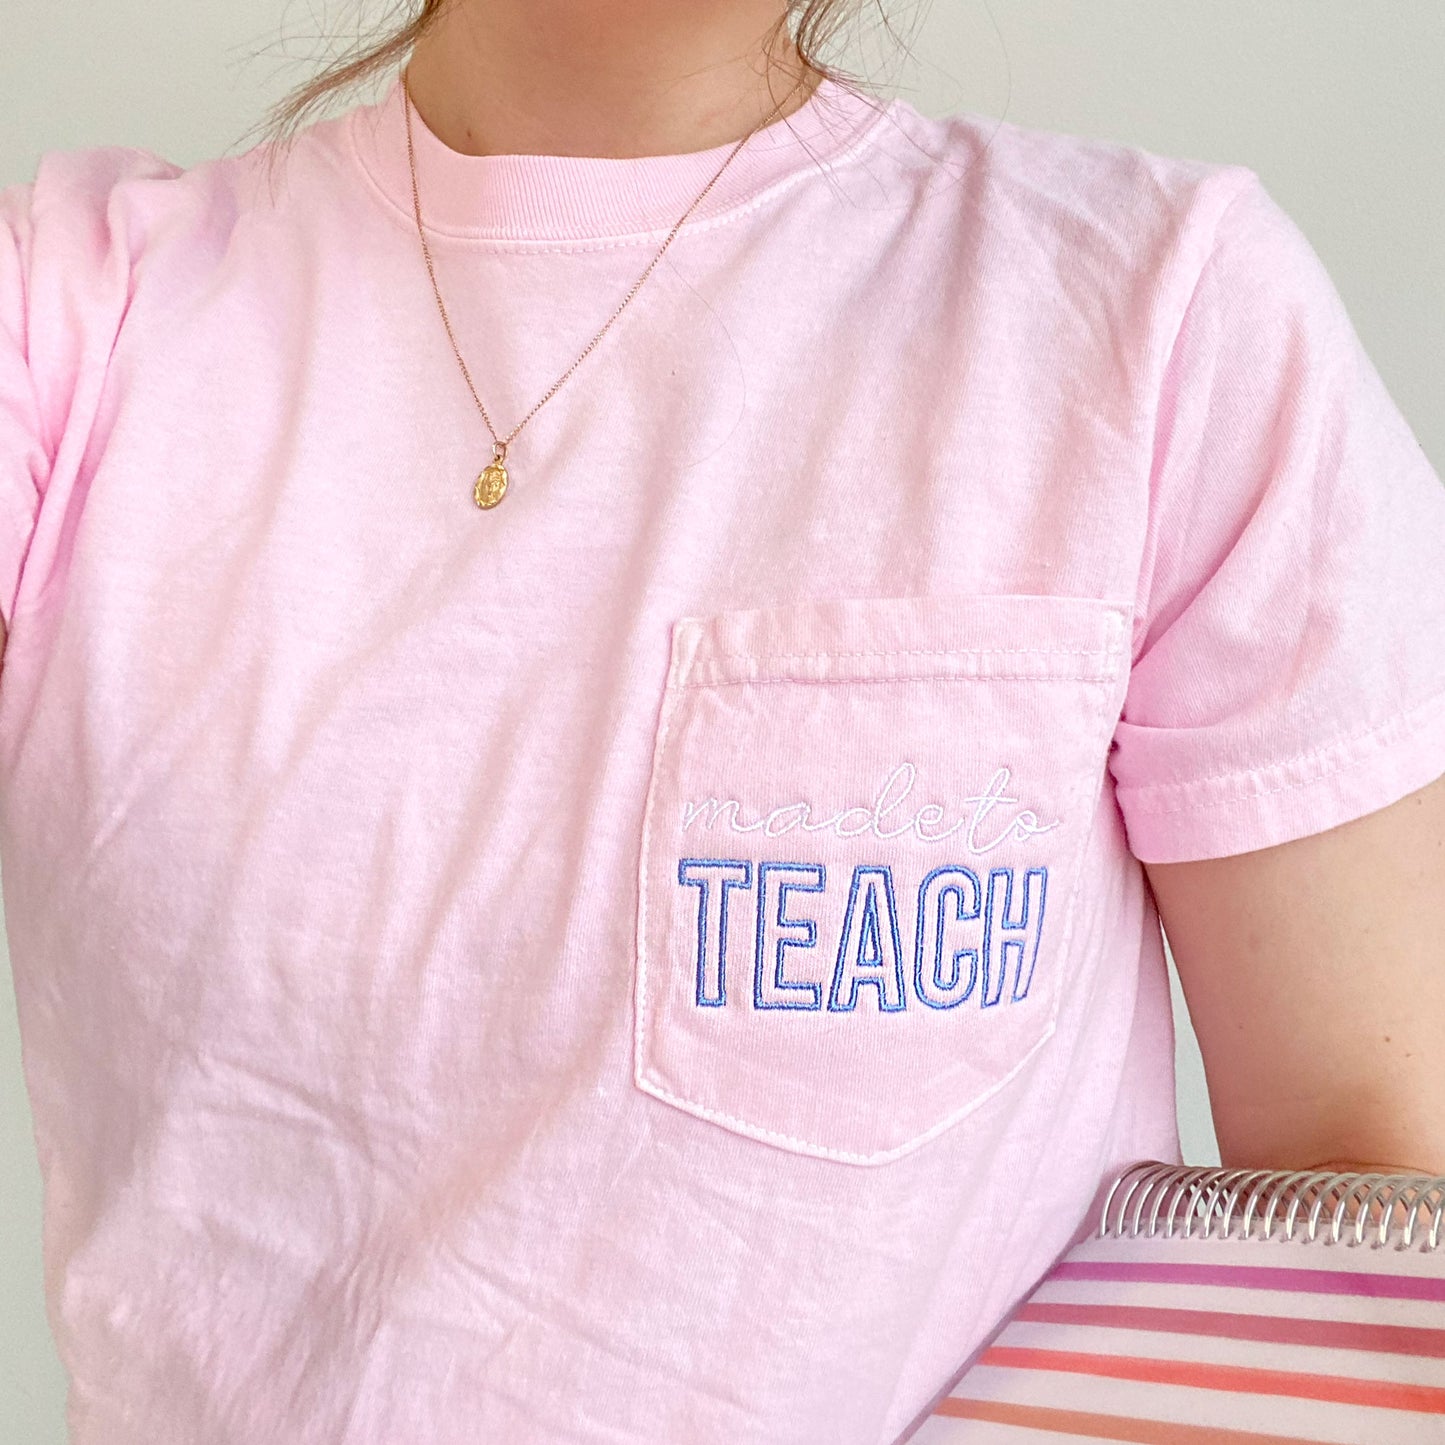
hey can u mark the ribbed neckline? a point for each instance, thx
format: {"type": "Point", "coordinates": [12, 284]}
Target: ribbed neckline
{"type": "Point", "coordinates": [581, 198]}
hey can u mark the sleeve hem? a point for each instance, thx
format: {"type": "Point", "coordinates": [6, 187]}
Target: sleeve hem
{"type": "Point", "coordinates": [1242, 811]}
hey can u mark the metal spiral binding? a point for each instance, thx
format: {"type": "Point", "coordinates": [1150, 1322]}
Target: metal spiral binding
{"type": "Point", "coordinates": [1155, 1200]}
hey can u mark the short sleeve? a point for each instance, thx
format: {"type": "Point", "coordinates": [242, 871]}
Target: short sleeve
{"type": "Point", "coordinates": [1288, 671]}
{"type": "Point", "coordinates": [70, 243]}
{"type": "Point", "coordinates": [24, 462]}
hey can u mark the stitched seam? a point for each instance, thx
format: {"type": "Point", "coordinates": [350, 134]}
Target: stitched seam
{"type": "Point", "coordinates": [1140, 605]}
{"type": "Point", "coordinates": [912, 652]}
{"type": "Point", "coordinates": [758, 1130]}
{"type": "Point", "coordinates": [1401, 722]}
{"type": "Point", "coordinates": [644, 864]}
{"type": "Point", "coordinates": [901, 677]}
{"type": "Point", "coordinates": [532, 245]}
{"type": "Point", "coordinates": [807, 1146]}
{"type": "Point", "coordinates": [879, 1156]}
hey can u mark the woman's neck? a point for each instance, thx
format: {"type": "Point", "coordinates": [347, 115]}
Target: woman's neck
{"type": "Point", "coordinates": [617, 78]}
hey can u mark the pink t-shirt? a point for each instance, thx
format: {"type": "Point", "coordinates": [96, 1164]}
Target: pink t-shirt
{"type": "Point", "coordinates": [666, 960]}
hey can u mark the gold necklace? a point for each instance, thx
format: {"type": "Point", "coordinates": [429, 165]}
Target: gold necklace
{"type": "Point", "coordinates": [491, 484]}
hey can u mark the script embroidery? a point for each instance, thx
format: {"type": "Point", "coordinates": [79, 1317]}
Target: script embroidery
{"type": "Point", "coordinates": [799, 815]}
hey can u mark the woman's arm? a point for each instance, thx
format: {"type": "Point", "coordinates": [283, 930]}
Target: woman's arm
{"type": "Point", "coordinates": [1315, 977]}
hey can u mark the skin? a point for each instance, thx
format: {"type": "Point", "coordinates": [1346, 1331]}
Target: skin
{"type": "Point", "coordinates": [1313, 970]}
{"type": "Point", "coordinates": [1315, 977]}
{"type": "Point", "coordinates": [620, 78]}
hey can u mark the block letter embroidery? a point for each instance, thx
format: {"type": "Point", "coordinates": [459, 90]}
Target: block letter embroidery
{"type": "Point", "coordinates": [712, 877]}
{"type": "Point", "coordinates": [770, 988]}
{"type": "Point", "coordinates": [997, 951]}
{"type": "Point", "coordinates": [944, 973]}
{"type": "Point", "coordinates": [869, 950]}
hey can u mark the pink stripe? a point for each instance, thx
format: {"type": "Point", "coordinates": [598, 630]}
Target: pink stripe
{"type": "Point", "coordinates": [1250, 1276]}
{"type": "Point", "coordinates": [1237, 1379]}
{"type": "Point", "coordinates": [1036, 1418]}
{"type": "Point", "coordinates": [1413, 1340]}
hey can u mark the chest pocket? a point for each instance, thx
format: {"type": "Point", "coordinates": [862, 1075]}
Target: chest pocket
{"type": "Point", "coordinates": [861, 847]}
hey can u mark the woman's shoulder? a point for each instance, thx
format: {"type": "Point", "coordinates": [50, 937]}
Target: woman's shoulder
{"type": "Point", "coordinates": [125, 201]}
{"type": "Point", "coordinates": [114, 196]}
{"type": "Point", "coordinates": [76, 238]}
{"type": "Point", "coordinates": [95, 227]}
{"type": "Point", "coordinates": [1094, 204]}
{"type": "Point", "coordinates": [1055, 165]}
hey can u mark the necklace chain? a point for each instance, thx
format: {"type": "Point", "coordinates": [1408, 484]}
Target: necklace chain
{"type": "Point", "coordinates": [491, 485]}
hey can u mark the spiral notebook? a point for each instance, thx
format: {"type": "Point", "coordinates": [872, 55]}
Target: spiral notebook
{"type": "Point", "coordinates": [1225, 1307]}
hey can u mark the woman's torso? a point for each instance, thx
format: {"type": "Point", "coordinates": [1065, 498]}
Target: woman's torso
{"type": "Point", "coordinates": [655, 961]}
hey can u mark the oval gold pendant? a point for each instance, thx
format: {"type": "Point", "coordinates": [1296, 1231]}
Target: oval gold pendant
{"type": "Point", "coordinates": [491, 485]}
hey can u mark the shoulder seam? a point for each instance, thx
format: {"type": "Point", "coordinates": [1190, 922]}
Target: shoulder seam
{"type": "Point", "coordinates": [1247, 179]}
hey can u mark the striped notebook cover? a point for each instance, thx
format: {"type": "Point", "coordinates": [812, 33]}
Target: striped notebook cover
{"type": "Point", "coordinates": [1214, 1306]}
